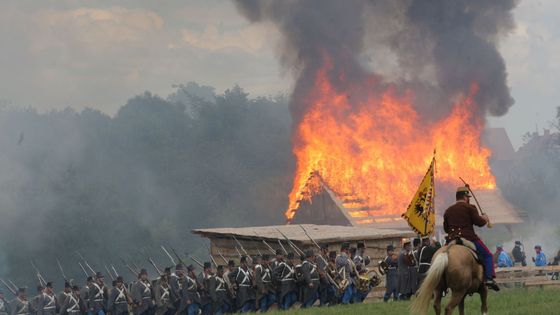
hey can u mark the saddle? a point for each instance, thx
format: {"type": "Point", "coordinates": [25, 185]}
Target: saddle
{"type": "Point", "coordinates": [470, 245]}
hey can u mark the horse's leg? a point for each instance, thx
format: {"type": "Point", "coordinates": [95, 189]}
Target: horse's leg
{"type": "Point", "coordinates": [438, 293]}
{"type": "Point", "coordinates": [462, 306]}
{"type": "Point", "coordinates": [483, 299]}
{"type": "Point", "coordinates": [456, 298]}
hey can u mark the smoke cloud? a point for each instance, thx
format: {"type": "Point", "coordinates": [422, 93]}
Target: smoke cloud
{"type": "Point", "coordinates": [440, 47]}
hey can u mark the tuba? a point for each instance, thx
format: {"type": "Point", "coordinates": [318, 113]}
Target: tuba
{"type": "Point", "coordinates": [368, 280]}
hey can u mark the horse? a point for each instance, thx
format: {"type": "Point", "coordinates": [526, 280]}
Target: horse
{"type": "Point", "coordinates": [454, 267]}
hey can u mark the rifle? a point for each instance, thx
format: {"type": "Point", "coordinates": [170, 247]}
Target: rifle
{"type": "Point", "coordinates": [83, 269]}
{"type": "Point", "coordinates": [292, 245]}
{"type": "Point", "coordinates": [61, 270]}
{"type": "Point", "coordinates": [169, 255]}
{"type": "Point", "coordinates": [177, 255]}
{"type": "Point", "coordinates": [14, 292]}
{"type": "Point", "coordinates": [283, 248]}
{"type": "Point", "coordinates": [134, 272]}
{"type": "Point", "coordinates": [223, 258]}
{"type": "Point", "coordinates": [210, 253]}
{"type": "Point", "coordinates": [114, 270]}
{"type": "Point", "coordinates": [155, 266]}
{"type": "Point", "coordinates": [39, 276]}
{"type": "Point", "coordinates": [331, 280]}
{"type": "Point", "coordinates": [238, 252]}
{"type": "Point", "coordinates": [109, 273]}
{"type": "Point", "coordinates": [86, 263]}
{"type": "Point", "coordinates": [476, 200]}
{"type": "Point", "coordinates": [240, 245]}
{"type": "Point", "coordinates": [196, 261]}
{"type": "Point", "coordinates": [269, 247]}
{"type": "Point", "coordinates": [13, 284]}
{"type": "Point", "coordinates": [309, 236]}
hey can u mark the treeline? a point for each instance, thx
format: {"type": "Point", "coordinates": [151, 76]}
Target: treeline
{"type": "Point", "coordinates": [118, 187]}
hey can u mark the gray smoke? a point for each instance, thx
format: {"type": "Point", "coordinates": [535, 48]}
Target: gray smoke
{"type": "Point", "coordinates": [440, 47]}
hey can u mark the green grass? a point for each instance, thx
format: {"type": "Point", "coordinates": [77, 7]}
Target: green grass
{"type": "Point", "coordinates": [511, 302]}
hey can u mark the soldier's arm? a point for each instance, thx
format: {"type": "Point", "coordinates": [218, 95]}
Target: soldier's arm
{"type": "Point", "coordinates": [305, 270]}
{"type": "Point", "coordinates": [476, 218]}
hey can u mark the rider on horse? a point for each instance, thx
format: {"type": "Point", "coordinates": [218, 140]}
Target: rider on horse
{"type": "Point", "coordinates": [458, 221]}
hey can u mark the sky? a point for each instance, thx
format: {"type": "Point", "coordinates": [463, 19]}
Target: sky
{"type": "Point", "coordinates": [98, 54]}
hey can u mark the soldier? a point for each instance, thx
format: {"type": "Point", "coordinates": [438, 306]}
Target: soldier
{"type": "Point", "coordinates": [324, 283]}
{"type": "Point", "coordinates": [232, 289]}
{"type": "Point", "coordinates": [311, 279]}
{"type": "Point", "coordinates": [190, 298]}
{"type": "Point", "coordinates": [4, 305]}
{"type": "Point", "coordinates": [279, 258]}
{"type": "Point", "coordinates": [142, 294]}
{"type": "Point", "coordinates": [97, 295]}
{"type": "Point", "coordinates": [36, 299]}
{"type": "Point", "coordinates": [360, 258]}
{"type": "Point", "coordinates": [285, 275]}
{"type": "Point", "coordinates": [266, 294]}
{"type": "Point", "coordinates": [176, 283]}
{"type": "Point", "coordinates": [47, 303]}
{"type": "Point", "coordinates": [20, 305]}
{"type": "Point", "coordinates": [540, 260]}
{"type": "Point", "coordinates": [84, 291]}
{"type": "Point", "coordinates": [406, 268]}
{"type": "Point", "coordinates": [219, 292]}
{"type": "Point", "coordinates": [391, 276]}
{"type": "Point", "coordinates": [243, 279]}
{"type": "Point", "coordinates": [518, 254]}
{"type": "Point", "coordinates": [73, 304]}
{"type": "Point", "coordinates": [345, 270]}
{"type": "Point", "coordinates": [203, 279]}
{"type": "Point", "coordinates": [163, 295]}
{"type": "Point", "coordinates": [119, 299]}
{"type": "Point", "coordinates": [64, 293]}
{"type": "Point", "coordinates": [427, 251]}
{"type": "Point", "coordinates": [458, 221]}
{"type": "Point", "coordinates": [334, 292]}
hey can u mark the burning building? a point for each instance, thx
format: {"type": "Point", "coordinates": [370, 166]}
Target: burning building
{"type": "Point", "coordinates": [363, 136]}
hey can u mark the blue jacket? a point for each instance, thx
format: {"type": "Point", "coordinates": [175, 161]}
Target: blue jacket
{"type": "Point", "coordinates": [504, 260]}
{"type": "Point", "coordinates": [540, 260]}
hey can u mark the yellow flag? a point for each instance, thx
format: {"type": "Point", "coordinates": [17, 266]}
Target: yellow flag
{"type": "Point", "coordinates": [420, 213]}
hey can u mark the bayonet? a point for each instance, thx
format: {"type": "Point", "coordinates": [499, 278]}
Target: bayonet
{"type": "Point", "coordinates": [39, 276]}
{"type": "Point", "coordinates": [283, 248]}
{"type": "Point", "coordinates": [114, 270]}
{"type": "Point", "coordinates": [13, 284]}
{"type": "Point", "coordinates": [177, 255]}
{"type": "Point", "coordinates": [109, 272]}
{"type": "Point", "coordinates": [14, 292]}
{"type": "Point", "coordinates": [196, 261]}
{"type": "Point", "coordinates": [292, 245]}
{"type": "Point", "coordinates": [168, 255]}
{"type": "Point", "coordinates": [240, 245]}
{"type": "Point", "coordinates": [83, 269]}
{"type": "Point", "coordinates": [155, 266]}
{"type": "Point", "coordinates": [223, 258]}
{"type": "Point", "coordinates": [61, 270]}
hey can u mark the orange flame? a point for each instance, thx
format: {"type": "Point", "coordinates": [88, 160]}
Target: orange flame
{"type": "Point", "coordinates": [377, 147]}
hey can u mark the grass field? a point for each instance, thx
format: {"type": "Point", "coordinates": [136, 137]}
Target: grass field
{"type": "Point", "coordinates": [511, 302]}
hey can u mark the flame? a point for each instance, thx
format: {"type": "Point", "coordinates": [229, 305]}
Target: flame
{"type": "Point", "coordinates": [377, 148]}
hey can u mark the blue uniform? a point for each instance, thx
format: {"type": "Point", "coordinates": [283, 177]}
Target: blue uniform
{"type": "Point", "coordinates": [540, 260]}
{"type": "Point", "coordinates": [504, 260]}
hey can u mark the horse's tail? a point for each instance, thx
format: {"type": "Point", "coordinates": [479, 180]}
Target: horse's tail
{"type": "Point", "coordinates": [421, 304]}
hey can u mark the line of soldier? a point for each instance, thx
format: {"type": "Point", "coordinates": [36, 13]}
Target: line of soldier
{"type": "Point", "coordinates": [405, 271]}
{"type": "Point", "coordinates": [257, 284]}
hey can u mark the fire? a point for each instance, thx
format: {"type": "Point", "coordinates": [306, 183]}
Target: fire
{"type": "Point", "coordinates": [377, 147]}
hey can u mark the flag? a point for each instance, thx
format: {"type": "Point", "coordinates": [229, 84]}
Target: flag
{"type": "Point", "coordinates": [420, 213]}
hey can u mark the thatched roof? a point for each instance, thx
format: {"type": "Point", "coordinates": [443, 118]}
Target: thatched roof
{"type": "Point", "coordinates": [320, 233]}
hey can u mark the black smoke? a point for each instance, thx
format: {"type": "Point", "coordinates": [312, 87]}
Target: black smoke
{"type": "Point", "coordinates": [443, 46]}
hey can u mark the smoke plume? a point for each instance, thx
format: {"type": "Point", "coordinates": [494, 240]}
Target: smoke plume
{"type": "Point", "coordinates": [440, 47]}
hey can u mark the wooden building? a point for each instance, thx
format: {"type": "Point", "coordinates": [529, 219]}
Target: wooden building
{"type": "Point", "coordinates": [223, 240]}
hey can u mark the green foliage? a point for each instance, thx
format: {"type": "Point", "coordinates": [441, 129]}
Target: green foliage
{"type": "Point", "coordinates": [121, 186]}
